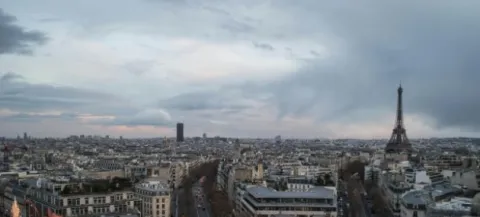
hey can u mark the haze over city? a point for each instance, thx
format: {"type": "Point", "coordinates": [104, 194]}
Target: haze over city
{"type": "Point", "coordinates": [304, 69]}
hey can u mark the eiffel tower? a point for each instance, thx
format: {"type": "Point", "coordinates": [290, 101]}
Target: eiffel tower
{"type": "Point", "coordinates": [398, 141]}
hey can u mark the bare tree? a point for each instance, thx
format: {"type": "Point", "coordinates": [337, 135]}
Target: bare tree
{"type": "Point", "coordinates": [219, 201]}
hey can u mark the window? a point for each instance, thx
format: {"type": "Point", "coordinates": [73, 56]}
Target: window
{"type": "Point", "coordinates": [98, 200]}
{"type": "Point", "coordinates": [73, 202]}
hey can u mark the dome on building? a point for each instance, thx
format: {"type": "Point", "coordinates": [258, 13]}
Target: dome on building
{"type": "Point", "coordinates": [416, 199]}
{"type": "Point", "coordinates": [476, 204]}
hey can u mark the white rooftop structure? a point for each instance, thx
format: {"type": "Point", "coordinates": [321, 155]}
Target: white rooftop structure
{"type": "Point", "coordinates": [457, 206]}
{"type": "Point", "coordinates": [154, 186]}
{"type": "Point", "coordinates": [457, 203]}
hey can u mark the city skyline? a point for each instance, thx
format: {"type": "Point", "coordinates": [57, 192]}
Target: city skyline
{"type": "Point", "coordinates": [308, 69]}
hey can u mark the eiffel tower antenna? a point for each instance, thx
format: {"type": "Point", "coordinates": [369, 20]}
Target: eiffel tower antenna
{"type": "Point", "coordinates": [399, 141]}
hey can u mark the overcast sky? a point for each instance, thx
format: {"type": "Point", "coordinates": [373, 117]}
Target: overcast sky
{"type": "Point", "coordinates": [239, 68]}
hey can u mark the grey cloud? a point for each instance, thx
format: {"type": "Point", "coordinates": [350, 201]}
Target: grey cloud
{"type": "Point", "coordinates": [432, 49]}
{"type": "Point", "coordinates": [235, 26]}
{"type": "Point", "coordinates": [196, 19]}
{"type": "Point", "coordinates": [155, 118]}
{"type": "Point", "coordinates": [15, 39]}
{"type": "Point", "coordinates": [18, 95]}
{"type": "Point", "coordinates": [32, 99]}
{"type": "Point", "coordinates": [216, 10]}
{"type": "Point", "coordinates": [170, 2]}
{"type": "Point", "coordinates": [10, 76]}
{"type": "Point", "coordinates": [206, 100]}
{"type": "Point", "coordinates": [263, 46]}
{"type": "Point", "coordinates": [50, 20]}
{"type": "Point", "coordinates": [26, 117]}
{"type": "Point", "coordinates": [139, 67]}
{"type": "Point", "coordinates": [314, 53]}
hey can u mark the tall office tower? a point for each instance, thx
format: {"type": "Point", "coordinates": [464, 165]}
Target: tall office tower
{"type": "Point", "coordinates": [179, 132]}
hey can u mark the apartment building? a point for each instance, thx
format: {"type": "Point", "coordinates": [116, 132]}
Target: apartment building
{"type": "Point", "coordinates": [394, 185]}
{"type": "Point", "coordinates": [156, 198]}
{"type": "Point", "coordinates": [162, 171]}
{"type": "Point", "coordinates": [173, 172]}
{"type": "Point", "coordinates": [72, 198]}
{"type": "Point", "coordinates": [258, 201]}
{"type": "Point", "coordinates": [468, 178]}
{"type": "Point", "coordinates": [434, 201]}
{"type": "Point", "coordinates": [310, 170]}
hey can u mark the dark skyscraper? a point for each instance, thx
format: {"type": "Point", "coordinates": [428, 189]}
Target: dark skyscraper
{"type": "Point", "coordinates": [179, 132]}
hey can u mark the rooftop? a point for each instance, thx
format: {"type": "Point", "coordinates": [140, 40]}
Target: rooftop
{"type": "Point", "coordinates": [422, 197]}
{"type": "Point", "coordinates": [416, 197]}
{"type": "Point", "coordinates": [456, 204]}
{"type": "Point", "coordinates": [440, 190]}
{"type": "Point", "coordinates": [313, 193]}
{"type": "Point", "coordinates": [78, 187]}
{"type": "Point", "coordinates": [153, 186]}
{"type": "Point", "coordinates": [97, 186]}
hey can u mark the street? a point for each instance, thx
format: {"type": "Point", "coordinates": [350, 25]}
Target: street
{"type": "Point", "coordinates": [201, 203]}
{"type": "Point", "coordinates": [342, 200]}
{"type": "Point", "coordinates": [192, 200]}
{"type": "Point", "coordinates": [174, 204]}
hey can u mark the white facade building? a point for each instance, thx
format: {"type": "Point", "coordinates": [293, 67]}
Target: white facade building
{"type": "Point", "coordinates": [156, 198]}
{"type": "Point", "coordinates": [264, 202]}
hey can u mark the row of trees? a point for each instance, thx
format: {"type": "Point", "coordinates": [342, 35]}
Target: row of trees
{"type": "Point", "coordinates": [325, 180]}
{"type": "Point", "coordinates": [219, 201]}
{"type": "Point", "coordinates": [195, 174]}
{"type": "Point", "coordinates": [380, 205]}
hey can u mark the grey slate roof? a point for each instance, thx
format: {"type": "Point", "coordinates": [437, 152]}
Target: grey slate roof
{"type": "Point", "coordinates": [421, 197]}
{"type": "Point", "coordinates": [416, 197]}
{"type": "Point", "coordinates": [314, 193]}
